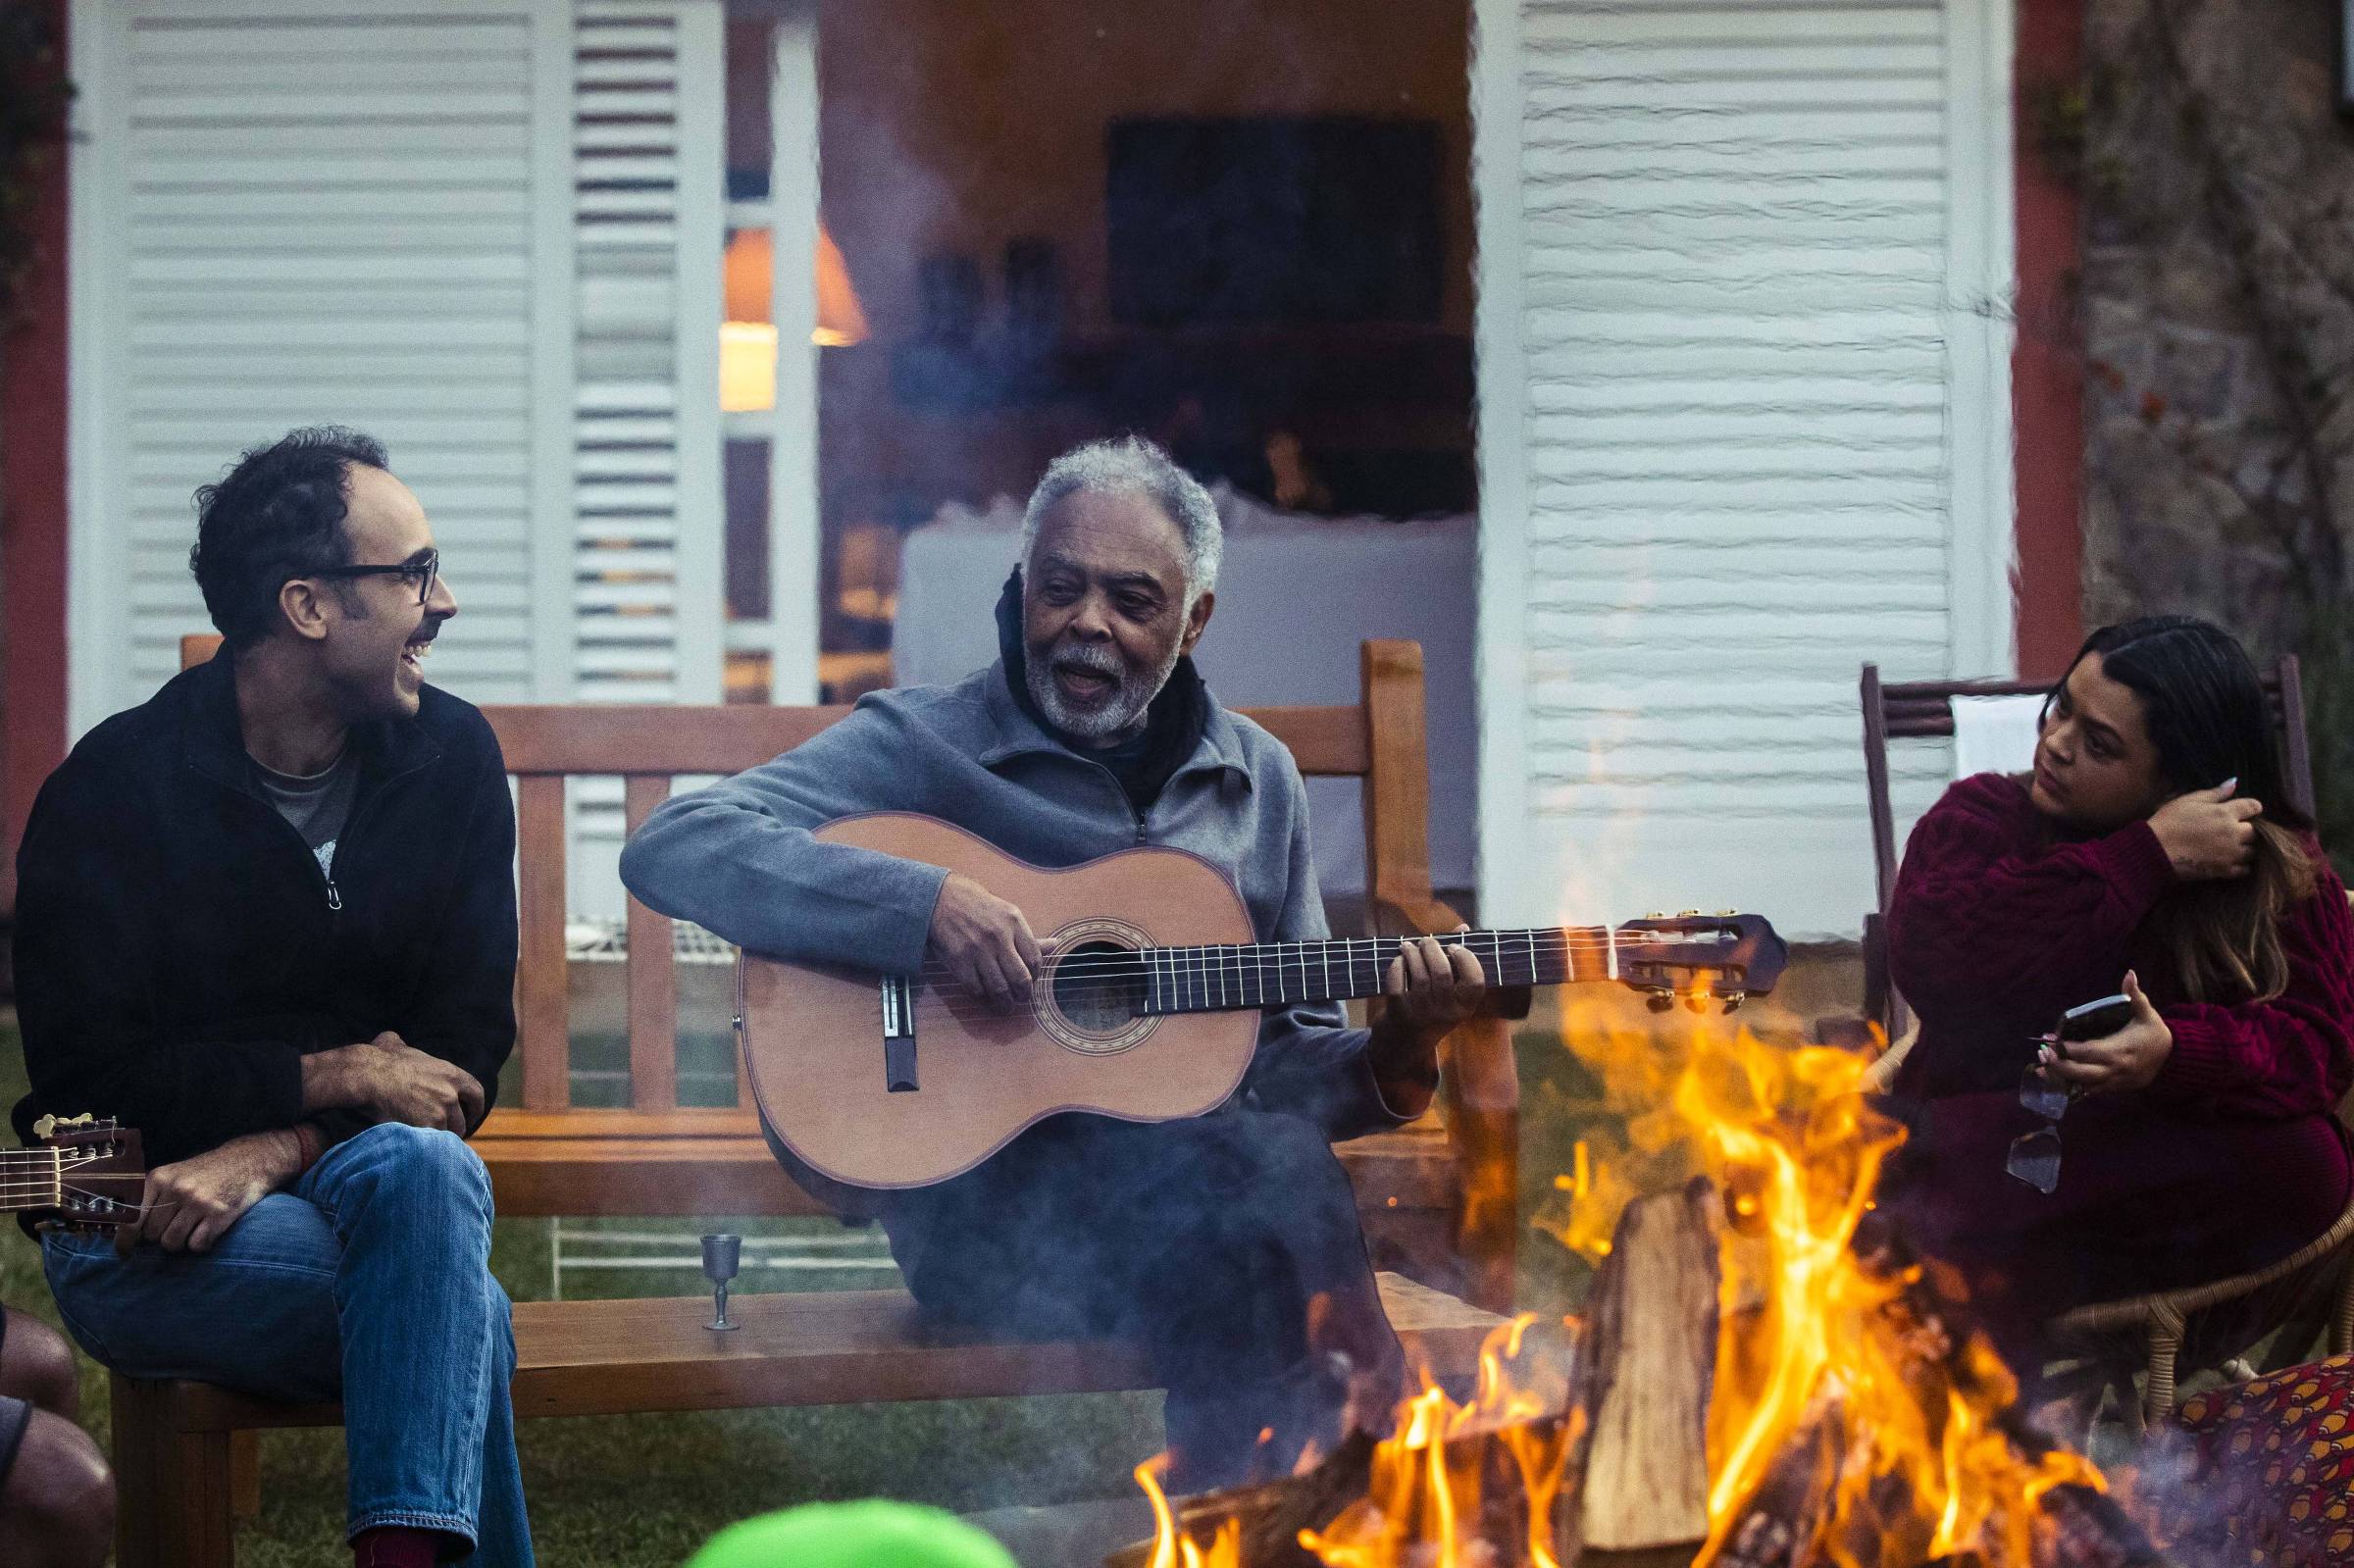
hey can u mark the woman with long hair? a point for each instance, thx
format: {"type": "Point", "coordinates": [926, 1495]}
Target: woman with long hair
{"type": "Point", "coordinates": [2151, 851]}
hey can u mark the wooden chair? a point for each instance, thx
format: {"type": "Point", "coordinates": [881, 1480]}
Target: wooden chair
{"type": "Point", "coordinates": [2152, 1329]}
{"type": "Point", "coordinates": [1438, 1198]}
{"type": "Point", "coordinates": [1923, 710]}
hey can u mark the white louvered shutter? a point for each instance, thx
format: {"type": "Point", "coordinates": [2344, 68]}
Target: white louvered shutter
{"type": "Point", "coordinates": [287, 212]}
{"type": "Point", "coordinates": [648, 152]}
{"type": "Point", "coordinates": [1745, 424]}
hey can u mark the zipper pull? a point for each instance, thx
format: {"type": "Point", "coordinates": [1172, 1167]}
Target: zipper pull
{"type": "Point", "coordinates": [334, 899]}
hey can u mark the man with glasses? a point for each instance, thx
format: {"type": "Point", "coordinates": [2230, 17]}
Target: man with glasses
{"type": "Point", "coordinates": [267, 918]}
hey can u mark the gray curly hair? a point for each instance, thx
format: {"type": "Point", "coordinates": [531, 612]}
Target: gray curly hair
{"type": "Point", "coordinates": [1134, 466]}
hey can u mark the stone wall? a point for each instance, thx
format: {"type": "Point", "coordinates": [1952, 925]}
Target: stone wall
{"type": "Point", "coordinates": [2218, 313]}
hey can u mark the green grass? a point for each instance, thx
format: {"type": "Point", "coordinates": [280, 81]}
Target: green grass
{"type": "Point", "coordinates": [636, 1492]}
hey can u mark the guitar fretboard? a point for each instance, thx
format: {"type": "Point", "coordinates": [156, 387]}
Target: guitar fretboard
{"type": "Point", "coordinates": [35, 1177]}
{"type": "Point", "coordinates": [1216, 978]}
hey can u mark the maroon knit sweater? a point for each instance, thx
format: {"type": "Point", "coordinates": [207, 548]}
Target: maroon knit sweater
{"type": "Point", "coordinates": [2231, 1158]}
{"type": "Point", "coordinates": [1998, 927]}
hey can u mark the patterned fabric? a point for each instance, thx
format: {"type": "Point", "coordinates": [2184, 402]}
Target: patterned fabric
{"type": "Point", "coordinates": [2274, 1470]}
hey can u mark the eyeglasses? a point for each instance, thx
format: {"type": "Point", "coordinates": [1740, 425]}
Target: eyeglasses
{"type": "Point", "coordinates": [425, 573]}
{"type": "Point", "coordinates": [2034, 1156]}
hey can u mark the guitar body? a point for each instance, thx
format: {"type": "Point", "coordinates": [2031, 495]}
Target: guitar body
{"type": "Point", "coordinates": [814, 1037]}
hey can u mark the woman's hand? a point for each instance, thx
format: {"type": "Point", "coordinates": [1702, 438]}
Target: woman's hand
{"type": "Point", "coordinates": [2207, 835]}
{"type": "Point", "coordinates": [2128, 1059]}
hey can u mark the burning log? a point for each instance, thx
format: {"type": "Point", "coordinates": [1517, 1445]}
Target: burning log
{"type": "Point", "coordinates": [1830, 1495]}
{"type": "Point", "coordinates": [1269, 1517]}
{"type": "Point", "coordinates": [1653, 1356]}
{"type": "Point", "coordinates": [1485, 1485]}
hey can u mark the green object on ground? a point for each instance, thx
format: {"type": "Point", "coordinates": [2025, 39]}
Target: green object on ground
{"type": "Point", "coordinates": [875, 1533]}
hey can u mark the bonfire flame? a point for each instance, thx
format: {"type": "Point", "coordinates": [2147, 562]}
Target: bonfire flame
{"type": "Point", "coordinates": [1172, 1547]}
{"type": "Point", "coordinates": [1825, 1358]}
{"type": "Point", "coordinates": [1425, 1503]}
{"type": "Point", "coordinates": [1823, 1352]}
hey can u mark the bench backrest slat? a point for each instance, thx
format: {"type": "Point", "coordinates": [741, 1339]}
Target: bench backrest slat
{"type": "Point", "coordinates": [654, 974]}
{"type": "Point", "coordinates": [543, 1007]}
{"type": "Point", "coordinates": [1397, 803]}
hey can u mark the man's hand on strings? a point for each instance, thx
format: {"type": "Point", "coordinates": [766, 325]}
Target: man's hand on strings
{"type": "Point", "coordinates": [983, 942]}
{"type": "Point", "coordinates": [190, 1203]}
{"type": "Point", "coordinates": [1432, 986]}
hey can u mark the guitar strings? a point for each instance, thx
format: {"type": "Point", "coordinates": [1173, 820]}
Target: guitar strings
{"type": "Point", "coordinates": [1228, 956]}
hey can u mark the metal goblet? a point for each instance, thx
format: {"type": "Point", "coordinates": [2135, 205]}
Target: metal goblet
{"type": "Point", "coordinates": [721, 1255]}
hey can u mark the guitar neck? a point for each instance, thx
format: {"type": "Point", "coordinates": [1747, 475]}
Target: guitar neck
{"type": "Point", "coordinates": [1219, 978]}
{"type": "Point", "coordinates": [31, 1179]}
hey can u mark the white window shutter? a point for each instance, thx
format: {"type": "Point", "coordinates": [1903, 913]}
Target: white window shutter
{"type": "Point", "coordinates": [1744, 424]}
{"type": "Point", "coordinates": [648, 220]}
{"type": "Point", "coordinates": [285, 213]}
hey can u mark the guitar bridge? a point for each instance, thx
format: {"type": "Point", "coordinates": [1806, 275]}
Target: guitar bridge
{"type": "Point", "coordinates": [898, 1034]}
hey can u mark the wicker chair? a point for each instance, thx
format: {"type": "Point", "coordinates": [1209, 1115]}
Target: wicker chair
{"type": "Point", "coordinates": [2159, 1324]}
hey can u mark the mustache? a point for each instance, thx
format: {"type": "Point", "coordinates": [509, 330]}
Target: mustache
{"type": "Point", "coordinates": [1094, 661]}
{"type": "Point", "coordinates": [427, 632]}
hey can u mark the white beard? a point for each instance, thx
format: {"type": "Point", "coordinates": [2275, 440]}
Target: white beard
{"type": "Point", "coordinates": [1116, 718]}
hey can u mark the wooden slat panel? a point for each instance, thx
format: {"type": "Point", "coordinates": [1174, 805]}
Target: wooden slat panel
{"type": "Point", "coordinates": [641, 1178]}
{"type": "Point", "coordinates": [543, 1017]}
{"type": "Point", "coordinates": [831, 1348]}
{"type": "Point", "coordinates": [1326, 743]}
{"type": "Point", "coordinates": [653, 984]}
{"type": "Point", "coordinates": [652, 738]}
{"type": "Point", "coordinates": [1396, 775]}
{"type": "Point", "coordinates": [612, 1162]}
{"type": "Point", "coordinates": [530, 1124]}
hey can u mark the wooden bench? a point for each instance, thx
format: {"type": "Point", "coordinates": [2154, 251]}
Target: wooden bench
{"type": "Point", "coordinates": [1438, 1198]}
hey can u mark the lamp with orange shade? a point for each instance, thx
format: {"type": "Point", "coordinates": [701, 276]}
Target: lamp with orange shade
{"type": "Point", "coordinates": [747, 339]}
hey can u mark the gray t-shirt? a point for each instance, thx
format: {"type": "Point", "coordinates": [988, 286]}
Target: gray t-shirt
{"type": "Point", "coordinates": [316, 805]}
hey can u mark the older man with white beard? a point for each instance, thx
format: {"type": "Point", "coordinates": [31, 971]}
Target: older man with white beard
{"type": "Point", "coordinates": [1227, 1245]}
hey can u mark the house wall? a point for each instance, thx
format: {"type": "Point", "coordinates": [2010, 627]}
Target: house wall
{"type": "Point", "coordinates": [2219, 305]}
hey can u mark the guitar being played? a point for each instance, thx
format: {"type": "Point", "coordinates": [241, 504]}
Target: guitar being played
{"type": "Point", "coordinates": [1140, 1003]}
{"type": "Point", "coordinates": [1216, 1229]}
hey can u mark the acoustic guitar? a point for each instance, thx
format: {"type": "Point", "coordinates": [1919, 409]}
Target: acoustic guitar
{"type": "Point", "coordinates": [85, 1172]}
{"type": "Point", "coordinates": [1147, 1008]}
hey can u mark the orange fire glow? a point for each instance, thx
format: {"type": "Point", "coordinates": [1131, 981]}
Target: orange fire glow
{"type": "Point", "coordinates": [1819, 1348]}
{"type": "Point", "coordinates": [1424, 1505]}
{"type": "Point", "coordinates": [1828, 1367]}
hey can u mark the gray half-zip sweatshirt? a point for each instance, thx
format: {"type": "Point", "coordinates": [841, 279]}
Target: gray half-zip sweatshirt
{"type": "Point", "coordinates": [737, 858]}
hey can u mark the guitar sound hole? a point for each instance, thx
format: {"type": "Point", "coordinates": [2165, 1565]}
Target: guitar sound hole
{"type": "Point", "coordinates": [1100, 987]}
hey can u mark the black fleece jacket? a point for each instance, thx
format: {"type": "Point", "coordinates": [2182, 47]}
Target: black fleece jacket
{"type": "Point", "coordinates": [178, 949]}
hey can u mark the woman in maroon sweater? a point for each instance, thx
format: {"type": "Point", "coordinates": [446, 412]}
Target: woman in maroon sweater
{"type": "Point", "coordinates": [2151, 851]}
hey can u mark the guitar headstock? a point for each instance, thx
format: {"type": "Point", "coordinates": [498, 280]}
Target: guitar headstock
{"type": "Point", "coordinates": [1729, 956]}
{"type": "Point", "coordinates": [85, 1171]}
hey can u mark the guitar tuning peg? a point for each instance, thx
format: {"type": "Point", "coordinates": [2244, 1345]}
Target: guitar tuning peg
{"type": "Point", "coordinates": [1687, 914]}
{"type": "Point", "coordinates": [1657, 914]}
{"type": "Point", "coordinates": [1698, 1004]}
{"type": "Point", "coordinates": [1728, 914]}
{"type": "Point", "coordinates": [1733, 1001]}
{"type": "Point", "coordinates": [1658, 1001]}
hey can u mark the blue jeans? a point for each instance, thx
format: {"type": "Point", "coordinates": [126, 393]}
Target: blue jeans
{"type": "Point", "coordinates": [370, 1281]}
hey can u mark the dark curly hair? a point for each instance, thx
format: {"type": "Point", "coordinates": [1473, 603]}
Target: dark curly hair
{"type": "Point", "coordinates": [277, 516]}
